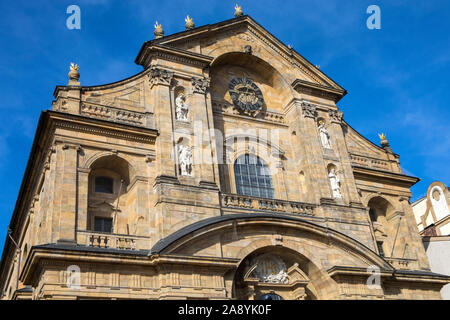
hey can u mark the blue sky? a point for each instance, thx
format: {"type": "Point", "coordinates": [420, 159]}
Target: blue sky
{"type": "Point", "coordinates": [397, 77]}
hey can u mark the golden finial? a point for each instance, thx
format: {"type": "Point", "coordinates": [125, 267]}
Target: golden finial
{"type": "Point", "coordinates": [74, 67]}
{"type": "Point", "coordinates": [74, 75]}
{"type": "Point", "coordinates": [384, 142]}
{"type": "Point", "coordinates": [189, 23]}
{"type": "Point", "coordinates": [238, 11]}
{"type": "Point", "coordinates": [159, 32]}
{"type": "Point", "coordinates": [318, 66]}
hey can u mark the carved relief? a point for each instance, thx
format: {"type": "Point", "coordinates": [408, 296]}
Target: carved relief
{"type": "Point", "coordinates": [336, 116]}
{"type": "Point", "coordinates": [160, 76]}
{"type": "Point", "coordinates": [199, 85]}
{"type": "Point", "coordinates": [270, 268]}
{"type": "Point", "coordinates": [246, 95]}
{"type": "Point", "coordinates": [309, 110]}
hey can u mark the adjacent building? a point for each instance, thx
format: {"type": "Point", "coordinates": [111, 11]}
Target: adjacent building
{"type": "Point", "coordinates": [433, 221]}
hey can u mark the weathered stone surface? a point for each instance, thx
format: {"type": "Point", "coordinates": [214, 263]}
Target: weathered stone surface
{"type": "Point", "coordinates": [192, 236]}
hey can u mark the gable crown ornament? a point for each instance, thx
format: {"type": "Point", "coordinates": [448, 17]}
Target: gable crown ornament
{"type": "Point", "coordinates": [189, 23]}
{"type": "Point", "coordinates": [159, 32]}
{"type": "Point", "coordinates": [238, 11]}
{"type": "Point", "coordinates": [384, 142]}
{"type": "Point", "coordinates": [74, 74]}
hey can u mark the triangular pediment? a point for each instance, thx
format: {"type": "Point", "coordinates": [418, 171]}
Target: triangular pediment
{"type": "Point", "coordinates": [237, 35]}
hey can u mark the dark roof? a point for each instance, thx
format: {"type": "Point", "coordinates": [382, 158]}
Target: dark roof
{"type": "Point", "coordinates": [25, 289]}
{"type": "Point", "coordinates": [421, 273]}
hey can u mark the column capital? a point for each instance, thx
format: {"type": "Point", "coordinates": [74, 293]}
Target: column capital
{"type": "Point", "coordinates": [309, 110]}
{"type": "Point", "coordinates": [200, 85]}
{"type": "Point", "coordinates": [160, 76]}
{"type": "Point", "coordinates": [336, 116]}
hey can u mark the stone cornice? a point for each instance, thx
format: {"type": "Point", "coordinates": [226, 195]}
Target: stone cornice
{"type": "Point", "coordinates": [102, 127]}
{"type": "Point", "coordinates": [315, 89]}
{"type": "Point", "coordinates": [54, 254]}
{"type": "Point", "coordinates": [398, 178]}
{"type": "Point", "coordinates": [172, 54]}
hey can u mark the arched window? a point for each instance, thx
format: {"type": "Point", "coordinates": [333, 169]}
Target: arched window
{"type": "Point", "coordinates": [253, 177]}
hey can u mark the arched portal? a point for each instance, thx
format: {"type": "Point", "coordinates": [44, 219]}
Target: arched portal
{"type": "Point", "coordinates": [271, 248]}
{"type": "Point", "coordinates": [274, 273]}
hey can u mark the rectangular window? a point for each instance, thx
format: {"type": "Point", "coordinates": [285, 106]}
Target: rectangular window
{"type": "Point", "coordinates": [104, 184]}
{"type": "Point", "coordinates": [103, 224]}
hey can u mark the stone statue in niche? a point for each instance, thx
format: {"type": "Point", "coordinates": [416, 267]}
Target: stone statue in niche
{"type": "Point", "coordinates": [185, 160]}
{"type": "Point", "coordinates": [335, 183]}
{"type": "Point", "coordinates": [181, 108]}
{"type": "Point", "coordinates": [324, 135]}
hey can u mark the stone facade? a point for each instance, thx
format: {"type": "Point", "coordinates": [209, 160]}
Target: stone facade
{"type": "Point", "coordinates": [164, 145]}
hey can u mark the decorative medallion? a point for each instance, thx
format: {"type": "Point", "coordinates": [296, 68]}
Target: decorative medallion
{"type": "Point", "coordinates": [246, 95]}
{"type": "Point", "coordinates": [271, 268]}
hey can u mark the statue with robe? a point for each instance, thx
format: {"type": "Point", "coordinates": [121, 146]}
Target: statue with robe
{"type": "Point", "coordinates": [185, 160]}
{"type": "Point", "coordinates": [324, 136]}
{"type": "Point", "coordinates": [335, 183]}
{"type": "Point", "coordinates": [181, 108]}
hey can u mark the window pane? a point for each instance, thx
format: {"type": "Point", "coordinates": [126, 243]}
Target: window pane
{"type": "Point", "coordinates": [102, 224]}
{"type": "Point", "coordinates": [104, 184]}
{"type": "Point", "coordinates": [253, 177]}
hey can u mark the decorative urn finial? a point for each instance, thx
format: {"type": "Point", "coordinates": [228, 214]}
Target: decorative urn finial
{"type": "Point", "coordinates": [384, 143]}
{"type": "Point", "coordinates": [189, 23]}
{"type": "Point", "coordinates": [159, 32]}
{"type": "Point", "coordinates": [74, 75]}
{"type": "Point", "coordinates": [238, 11]}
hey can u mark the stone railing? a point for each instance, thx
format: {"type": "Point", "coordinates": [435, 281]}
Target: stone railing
{"type": "Point", "coordinates": [112, 241]}
{"type": "Point", "coordinates": [401, 263]}
{"type": "Point", "coordinates": [114, 114]}
{"type": "Point", "coordinates": [370, 162]}
{"type": "Point", "coordinates": [266, 205]}
{"type": "Point", "coordinates": [228, 108]}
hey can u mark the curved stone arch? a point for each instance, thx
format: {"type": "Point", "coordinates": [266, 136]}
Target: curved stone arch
{"type": "Point", "coordinates": [307, 261]}
{"type": "Point", "coordinates": [187, 236]}
{"type": "Point", "coordinates": [366, 199]}
{"type": "Point", "coordinates": [269, 145]}
{"type": "Point", "coordinates": [89, 162]}
{"type": "Point", "coordinates": [276, 64]}
{"type": "Point", "coordinates": [293, 245]}
{"type": "Point", "coordinates": [283, 83]}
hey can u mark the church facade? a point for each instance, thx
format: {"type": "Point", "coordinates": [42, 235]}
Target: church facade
{"type": "Point", "coordinates": [223, 170]}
